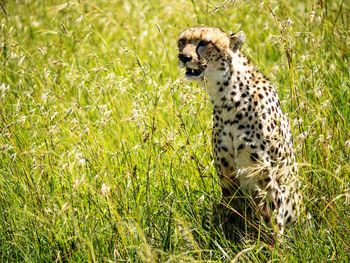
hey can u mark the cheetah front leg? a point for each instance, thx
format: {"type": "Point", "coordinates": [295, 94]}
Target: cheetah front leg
{"type": "Point", "coordinates": [261, 190]}
{"type": "Point", "coordinates": [239, 213]}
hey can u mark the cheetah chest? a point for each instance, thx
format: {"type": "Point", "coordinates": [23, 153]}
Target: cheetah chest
{"type": "Point", "coordinates": [223, 148]}
{"type": "Point", "coordinates": [231, 151]}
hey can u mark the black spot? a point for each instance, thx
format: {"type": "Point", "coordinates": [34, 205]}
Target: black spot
{"type": "Point", "coordinates": [260, 126]}
{"type": "Point", "coordinates": [224, 162]}
{"type": "Point", "coordinates": [273, 207]}
{"type": "Point", "coordinates": [226, 83]}
{"type": "Point", "coordinates": [224, 148]}
{"type": "Point", "coordinates": [237, 104]}
{"type": "Point", "coordinates": [221, 89]}
{"type": "Point", "coordinates": [241, 127]}
{"type": "Point", "coordinates": [289, 218]}
{"type": "Point", "coordinates": [262, 147]}
{"type": "Point", "coordinates": [279, 201]}
{"type": "Point", "coordinates": [261, 96]}
{"type": "Point", "coordinates": [240, 147]}
{"type": "Point", "coordinates": [254, 157]}
{"type": "Point", "coordinates": [239, 116]}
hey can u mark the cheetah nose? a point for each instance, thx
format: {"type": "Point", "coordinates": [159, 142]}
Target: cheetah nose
{"type": "Point", "coordinates": [184, 58]}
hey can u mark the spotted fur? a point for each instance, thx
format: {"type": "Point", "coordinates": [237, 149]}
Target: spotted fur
{"type": "Point", "coordinates": [252, 142]}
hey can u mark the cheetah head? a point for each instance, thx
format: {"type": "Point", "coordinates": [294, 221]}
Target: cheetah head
{"type": "Point", "coordinates": [204, 50]}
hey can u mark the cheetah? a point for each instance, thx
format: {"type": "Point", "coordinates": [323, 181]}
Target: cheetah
{"type": "Point", "coordinates": [251, 137]}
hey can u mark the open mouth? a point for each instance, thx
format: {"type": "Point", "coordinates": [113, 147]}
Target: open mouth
{"type": "Point", "coordinates": [190, 72]}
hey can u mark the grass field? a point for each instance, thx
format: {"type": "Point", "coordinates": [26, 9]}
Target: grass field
{"type": "Point", "coordinates": [106, 149]}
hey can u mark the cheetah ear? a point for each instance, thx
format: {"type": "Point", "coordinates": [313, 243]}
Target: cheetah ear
{"type": "Point", "coordinates": [237, 40]}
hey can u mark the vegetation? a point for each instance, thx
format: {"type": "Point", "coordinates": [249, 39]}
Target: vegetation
{"type": "Point", "coordinates": [106, 149]}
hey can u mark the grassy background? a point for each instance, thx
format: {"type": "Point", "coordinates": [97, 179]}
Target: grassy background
{"type": "Point", "coordinates": [106, 149]}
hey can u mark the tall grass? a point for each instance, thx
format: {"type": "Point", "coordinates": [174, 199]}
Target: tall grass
{"type": "Point", "coordinates": [106, 149]}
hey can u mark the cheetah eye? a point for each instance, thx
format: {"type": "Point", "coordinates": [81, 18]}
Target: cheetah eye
{"type": "Point", "coordinates": [203, 43]}
{"type": "Point", "coordinates": [181, 42]}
